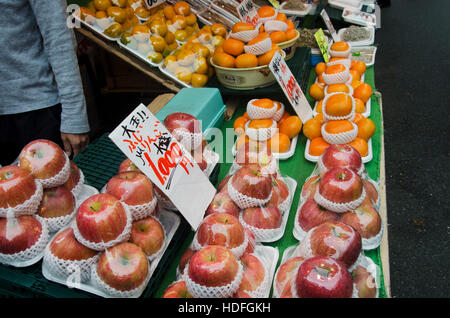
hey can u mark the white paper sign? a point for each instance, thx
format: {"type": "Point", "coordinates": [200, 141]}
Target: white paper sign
{"type": "Point", "coordinates": [153, 3]}
{"type": "Point", "coordinates": [329, 25]}
{"type": "Point", "coordinates": [290, 87]}
{"type": "Point", "coordinates": [247, 12]}
{"type": "Point", "coordinates": [150, 146]}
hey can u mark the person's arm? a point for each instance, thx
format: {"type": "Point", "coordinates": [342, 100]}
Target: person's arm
{"type": "Point", "coordinates": [59, 42]}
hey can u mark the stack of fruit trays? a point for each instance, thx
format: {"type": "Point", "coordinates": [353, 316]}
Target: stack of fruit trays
{"type": "Point", "coordinates": [268, 121]}
{"type": "Point", "coordinates": [343, 106]}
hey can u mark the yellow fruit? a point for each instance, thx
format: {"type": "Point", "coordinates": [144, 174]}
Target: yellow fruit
{"type": "Point", "coordinates": [199, 80]}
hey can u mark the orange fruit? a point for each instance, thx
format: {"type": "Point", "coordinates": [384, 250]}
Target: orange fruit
{"type": "Point", "coordinates": [142, 12]}
{"type": "Point", "coordinates": [355, 83]}
{"type": "Point", "coordinates": [316, 91]}
{"type": "Point", "coordinates": [334, 88]}
{"type": "Point", "coordinates": [261, 123]}
{"type": "Point", "coordinates": [339, 46]}
{"type": "Point", "coordinates": [355, 75]}
{"type": "Point", "coordinates": [179, 22]}
{"type": "Point", "coordinates": [246, 115]}
{"type": "Point", "coordinates": [260, 37]}
{"type": "Point", "coordinates": [360, 145]}
{"type": "Point", "coordinates": [219, 29]}
{"type": "Point", "coordinates": [242, 139]}
{"type": "Point", "coordinates": [279, 143]}
{"type": "Point", "coordinates": [263, 103]}
{"type": "Point", "coordinates": [219, 49]}
{"type": "Point", "coordinates": [338, 126]}
{"type": "Point", "coordinates": [319, 118]}
{"type": "Point", "coordinates": [334, 69]}
{"type": "Point", "coordinates": [239, 125]}
{"type": "Point", "coordinates": [358, 66]}
{"type": "Point", "coordinates": [283, 118]}
{"type": "Point", "coordinates": [191, 19]}
{"type": "Point", "coordinates": [182, 8]}
{"type": "Point", "coordinates": [312, 129]}
{"type": "Point", "coordinates": [140, 29]}
{"type": "Point", "coordinates": [360, 107]}
{"type": "Point", "coordinates": [246, 60]}
{"type": "Point", "coordinates": [320, 68]}
{"type": "Point", "coordinates": [264, 59]}
{"type": "Point", "coordinates": [281, 17]}
{"type": "Point", "coordinates": [291, 126]}
{"type": "Point", "coordinates": [290, 34]}
{"type": "Point", "coordinates": [339, 104]}
{"type": "Point", "coordinates": [366, 128]}
{"type": "Point", "coordinates": [233, 47]}
{"type": "Point", "coordinates": [363, 92]}
{"type": "Point", "coordinates": [278, 36]}
{"type": "Point", "coordinates": [317, 146]}
{"type": "Point", "coordinates": [169, 12]}
{"type": "Point", "coordinates": [290, 25]}
{"type": "Point", "coordinates": [118, 14]}
{"type": "Point", "coordinates": [266, 11]}
{"type": "Point", "coordinates": [320, 80]}
{"type": "Point", "coordinates": [224, 60]}
{"type": "Point", "coordinates": [85, 11]}
{"type": "Point", "coordinates": [242, 26]}
{"type": "Point", "coordinates": [358, 117]}
{"type": "Point", "coordinates": [336, 59]}
{"type": "Point", "coordinates": [319, 106]}
{"type": "Point", "coordinates": [199, 80]}
{"type": "Point", "coordinates": [100, 14]}
{"type": "Point", "coordinates": [102, 5]}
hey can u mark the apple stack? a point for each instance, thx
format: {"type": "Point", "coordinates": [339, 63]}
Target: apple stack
{"type": "Point", "coordinates": [327, 263]}
{"type": "Point", "coordinates": [340, 189]}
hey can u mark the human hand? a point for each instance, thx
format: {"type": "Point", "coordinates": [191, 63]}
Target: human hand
{"type": "Point", "coordinates": [74, 143]}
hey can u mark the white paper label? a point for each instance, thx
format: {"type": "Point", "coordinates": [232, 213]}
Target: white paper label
{"type": "Point", "coordinates": [150, 146]}
{"type": "Point", "coordinates": [247, 12]}
{"type": "Point", "coordinates": [153, 3]}
{"type": "Point", "coordinates": [290, 87]}
{"type": "Point", "coordinates": [329, 25]}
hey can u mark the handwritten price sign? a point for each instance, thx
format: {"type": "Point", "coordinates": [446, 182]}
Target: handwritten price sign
{"type": "Point", "coordinates": [150, 146]}
{"type": "Point", "coordinates": [330, 27]}
{"type": "Point", "coordinates": [323, 44]}
{"type": "Point", "coordinates": [290, 87]}
{"type": "Point", "coordinates": [153, 3]}
{"type": "Point", "coordinates": [247, 12]}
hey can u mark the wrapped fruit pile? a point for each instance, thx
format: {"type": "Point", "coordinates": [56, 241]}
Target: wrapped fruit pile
{"type": "Point", "coordinates": [341, 109]}
{"type": "Point", "coordinates": [267, 121]}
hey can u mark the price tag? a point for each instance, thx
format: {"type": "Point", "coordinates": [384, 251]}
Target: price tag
{"type": "Point", "coordinates": [150, 146]}
{"type": "Point", "coordinates": [247, 12]}
{"type": "Point", "coordinates": [329, 25]}
{"type": "Point", "coordinates": [153, 3]}
{"type": "Point", "coordinates": [290, 87]}
{"type": "Point", "coordinates": [275, 3]}
{"type": "Point", "coordinates": [323, 44]}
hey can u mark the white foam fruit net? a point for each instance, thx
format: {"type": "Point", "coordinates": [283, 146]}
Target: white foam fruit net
{"type": "Point", "coordinates": [259, 48]}
{"type": "Point", "coordinates": [56, 223]}
{"type": "Point", "coordinates": [142, 211]}
{"type": "Point", "coordinates": [340, 138]}
{"type": "Point", "coordinates": [58, 179]}
{"type": "Point", "coordinates": [338, 207]}
{"type": "Point", "coordinates": [243, 201]}
{"type": "Point", "coordinates": [238, 251]}
{"type": "Point", "coordinates": [261, 134]}
{"type": "Point", "coordinates": [262, 235]}
{"type": "Point", "coordinates": [255, 112]}
{"type": "Point", "coordinates": [28, 207]}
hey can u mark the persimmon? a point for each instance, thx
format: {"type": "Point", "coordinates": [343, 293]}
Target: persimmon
{"type": "Point", "coordinates": [264, 59]}
{"type": "Point", "coordinates": [266, 11]}
{"type": "Point", "coordinates": [339, 104]}
{"type": "Point", "coordinates": [358, 66]}
{"type": "Point", "coordinates": [360, 107]}
{"type": "Point", "coordinates": [317, 146]}
{"type": "Point", "coordinates": [278, 36]}
{"type": "Point", "coordinates": [261, 123]}
{"type": "Point", "coordinates": [339, 46]}
{"type": "Point", "coordinates": [246, 60]}
{"type": "Point", "coordinates": [366, 128]}
{"type": "Point", "coordinates": [291, 126]}
{"type": "Point", "coordinates": [263, 103]}
{"type": "Point", "coordinates": [334, 88]}
{"type": "Point", "coordinates": [338, 126]}
{"type": "Point", "coordinates": [283, 118]}
{"type": "Point", "coordinates": [224, 60]}
{"type": "Point", "coordinates": [242, 26]}
{"type": "Point", "coordinates": [279, 143]}
{"type": "Point", "coordinates": [363, 92]}
{"type": "Point", "coordinates": [335, 68]}
{"type": "Point", "coordinates": [316, 91]}
{"type": "Point", "coordinates": [312, 129]}
{"type": "Point", "coordinates": [320, 68]}
{"type": "Point", "coordinates": [233, 47]}
{"type": "Point", "coordinates": [360, 145]}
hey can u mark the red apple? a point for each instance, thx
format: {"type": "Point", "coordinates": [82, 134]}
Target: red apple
{"type": "Point", "coordinates": [65, 246]}
{"type": "Point", "coordinates": [42, 158]}
{"type": "Point", "coordinates": [241, 294]}
{"type": "Point", "coordinates": [311, 215]}
{"type": "Point", "coordinates": [370, 190]}
{"type": "Point", "coordinates": [132, 188]}
{"type": "Point", "coordinates": [222, 203]}
{"type": "Point", "coordinates": [250, 181]}
{"type": "Point", "coordinates": [177, 290]}
{"type": "Point", "coordinates": [74, 177]}
{"type": "Point", "coordinates": [148, 234]}
{"type": "Point", "coordinates": [123, 266]}
{"type": "Point", "coordinates": [213, 266]}
{"type": "Point", "coordinates": [287, 289]}
{"type": "Point", "coordinates": [56, 202]}
{"type": "Point", "coordinates": [182, 121]}
{"type": "Point", "coordinates": [128, 165]}
{"type": "Point", "coordinates": [253, 152]}
{"type": "Point", "coordinates": [341, 185]}
{"type": "Point", "coordinates": [254, 273]}
{"type": "Point", "coordinates": [251, 241]}
{"type": "Point", "coordinates": [280, 192]}
{"type": "Point", "coordinates": [365, 219]}
{"type": "Point", "coordinates": [364, 283]}
{"type": "Point", "coordinates": [309, 187]}
{"type": "Point", "coordinates": [341, 156]}
{"type": "Point", "coordinates": [221, 229]}
{"type": "Point", "coordinates": [17, 185]}
{"type": "Point", "coordinates": [267, 217]}
{"type": "Point", "coordinates": [286, 272]}
{"type": "Point", "coordinates": [323, 277]}
{"type": "Point", "coordinates": [337, 240]}
{"type": "Point", "coordinates": [184, 260]}
{"type": "Point", "coordinates": [19, 234]}
{"type": "Point", "coordinates": [101, 218]}
{"type": "Point", "coordinates": [222, 187]}
{"type": "Point", "coordinates": [202, 164]}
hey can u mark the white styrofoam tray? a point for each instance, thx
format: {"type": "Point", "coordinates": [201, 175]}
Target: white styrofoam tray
{"type": "Point", "coordinates": [366, 42]}
{"type": "Point", "coordinates": [342, 4]}
{"type": "Point", "coordinates": [362, 48]}
{"type": "Point", "coordinates": [316, 158]}
{"type": "Point", "coordinates": [297, 13]}
{"type": "Point", "coordinates": [359, 17]}
{"type": "Point", "coordinates": [138, 55]}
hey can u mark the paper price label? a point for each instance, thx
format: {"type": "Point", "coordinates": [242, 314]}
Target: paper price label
{"type": "Point", "coordinates": [290, 87]}
{"type": "Point", "coordinates": [150, 146]}
{"type": "Point", "coordinates": [323, 44]}
{"type": "Point", "coordinates": [153, 3]}
{"type": "Point", "coordinates": [330, 27]}
{"type": "Point", "coordinates": [275, 3]}
{"type": "Point", "coordinates": [247, 12]}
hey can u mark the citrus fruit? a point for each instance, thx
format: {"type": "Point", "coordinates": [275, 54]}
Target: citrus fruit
{"type": "Point", "coordinates": [279, 143]}
{"type": "Point", "coordinates": [363, 92]}
{"type": "Point", "coordinates": [320, 68]}
{"type": "Point", "coordinates": [359, 106]}
{"type": "Point", "coordinates": [358, 66]}
{"type": "Point", "coordinates": [141, 12]}
{"type": "Point", "coordinates": [224, 60]}
{"type": "Point", "coordinates": [357, 118]}
{"type": "Point", "coordinates": [316, 91]}
{"type": "Point", "coordinates": [290, 25]}
{"type": "Point", "coordinates": [264, 59]}
{"type": "Point", "coordinates": [242, 26]}
{"type": "Point", "coordinates": [169, 11]}
{"type": "Point", "coordinates": [319, 106]}
{"type": "Point", "coordinates": [102, 5]}
{"type": "Point", "coordinates": [291, 126]}
{"type": "Point", "coordinates": [319, 118]}
{"type": "Point", "coordinates": [360, 145]}
{"type": "Point", "coordinates": [191, 19]}
{"type": "Point", "coordinates": [339, 104]}
{"type": "Point", "coordinates": [312, 129]}
{"type": "Point", "coordinates": [281, 17]}
{"type": "Point", "coordinates": [366, 128]}
{"type": "Point", "coordinates": [355, 75]}
{"type": "Point", "coordinates": [317, 146]}
{"type": "Point", "coordinates": [118, 14]}
{"type": "Point", "coordinates": [182, 8]}
{"type": "Point", "coordinates": [266, 11]}
{"type": "Point", "coordinates": [219, 29]}
{"type": "Point", "coordinates": [233, 47]}
{"type": "Point", "coordinates": [246, 60]}
{"type": "Point", "coordinates": [355, 83]}
{"type": "Point", "coordinates": [278, 36]}
{"type": "Point", "coordinates": [290, 34]}
{"type": "Point", "coordinates": [283, 118]}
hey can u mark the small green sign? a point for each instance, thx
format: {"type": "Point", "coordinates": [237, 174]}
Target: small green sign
{"type": "Point", "coordinates": [323, 44]}
{"type": "Point", "coordinates": [275, 3]}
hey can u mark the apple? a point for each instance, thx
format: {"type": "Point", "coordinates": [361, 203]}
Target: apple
{"type": "Point", "coordinates": [213, 266]}
{"type": "Point", "coordinates": [74, 177]}
{"type": "Point", "coordinates": [365, 219]}
{"type": "Point", "coordinates": [337, 240]}
{"type": "Point", "coordinates": [250, 181]}
{"type": "Point", "coordinates": [241, 294]}
{"type": "Point", "coordinates": [148, 234]}
{"type": "Point", "coordinates": [127, 165]}
{"type": "Point", "coordinates": [177, 290]}
{"type": "Point", "coordinates": [182, 121]}
{"type": "Point", "coordinates": [56, 202]}
{"type": "Point", "coordinates": [364, 283]}
{"type": "Point", "coordinates": [132, 188]}
{"type": "Point", "coordinates": [223, 184]}
{"type": "Point", "coordinates": [254, 273]}
{"type": "Point", "coordinates": [184, 260]}
{"type": "Point", "coordinates": [340, 185]}
{"type": "Point", "coordinates": [222, 203]}
{"type": "Point", "coordinates": [285, 273]}
{"type": "Point", "coordinates": [101, 218]}
{"type": "Point", "coordinates": [123, 267]}
{"type": "Point", "coordinates": [280, 192]}
{"type": "Point", "coordinates": [42, 158]}
{"type": "Point", "coordinates": [221, 229]}
{"type": "Point", "coordinates": [17, 185]}
{"type": "Point", "coordinates": [266, 217]}
{"type": "Point", "coordinates": [323, 277]}
{"type": "Point", "coordinates": [251, 241]}
{"type": "Point", "coordinates": [19, 234]}
{"type": "Point", "coordinates": [286, 292]}
{"type": "Point", "coordinates": [371, 191]}
{"type": "Point", "coordinates": [341, 156]}
{"type": "Point", "coordinates": [309, 187]}
{"type": "Point", "coordinates": [253, 152]}
{"type": "Point", "coordinates": [312, 214]}
{"type": "Point", "coordinates": [65, 246]}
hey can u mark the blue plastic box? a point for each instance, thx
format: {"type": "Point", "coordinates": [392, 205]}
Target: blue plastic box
{"type": "Point", "coordinates": [205, 103]}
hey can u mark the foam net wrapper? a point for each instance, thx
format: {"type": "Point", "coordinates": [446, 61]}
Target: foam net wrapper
{"type": "Point", "coordinates": [68, 268]}
{"type": "Point", "coordinates": [245, 36]}
{"type": "Point", "coordinates": [323, 169]}
{"type": "Point", "coordinates": [279, 113]}
{"type": "Point", "coordinates": [264, 20]}
{"type": "Point", "coordinates": [142, 211]}
{"type": "Point", "coordinates": [159, 252]}
{"type": "Point", "coordinates": [370, 266]}
{"type": "Point", "coordinates": [190, 141]}
{"type": "Point", "coordinates": [374, 241]}
{"type": "Point", "coordinates": [262, 235]}
{"type": "Point", "coordinates": [200, 291]}
{"type": "Point", "coordinates": [261, 134]}
{"type": "Point", "coordinates": [350, 89]}
{"type": "Point", "coordinates": [285, 205]}
{"type": "Point", "coordinates": [57, 223]}
{"type": "Point", "coordinates": [299, 232]}
{"type": "Point", "coordinates": [243, 201]}
{"type": "Point", "coordinates": [345, 62]}
{"type": "Point", "coordinates": [327, 117]}
{"type": "Point", "coordinates": [28, 207]}
{"type": "Point", "coordinates": [60, 178]}
{"type": "Point", "coordinates": [34, 252]}
{"type": "Point", "coordinates": [100, 246]}
{"type": "Point", "coordinates": [259, 48]}
{"type": "Point", "coordinates": [255, 112]}
{"type": "Point", "coordinates": [336, 78]}
{"type": "Point", "coordinates": [79, 186]}
{"type": "Point", "coordinates": [345, 53]}
{"type": "Point", "coordinates": [238, 251]}
{"type": "Point", "coordinates": [261, 290]}
{"type": "Point", "coordinates": [275, 25]}
{"type": "Point", "coordinates": [338, 207]}
{"type": "Point", "coordinates": [340, 138]}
